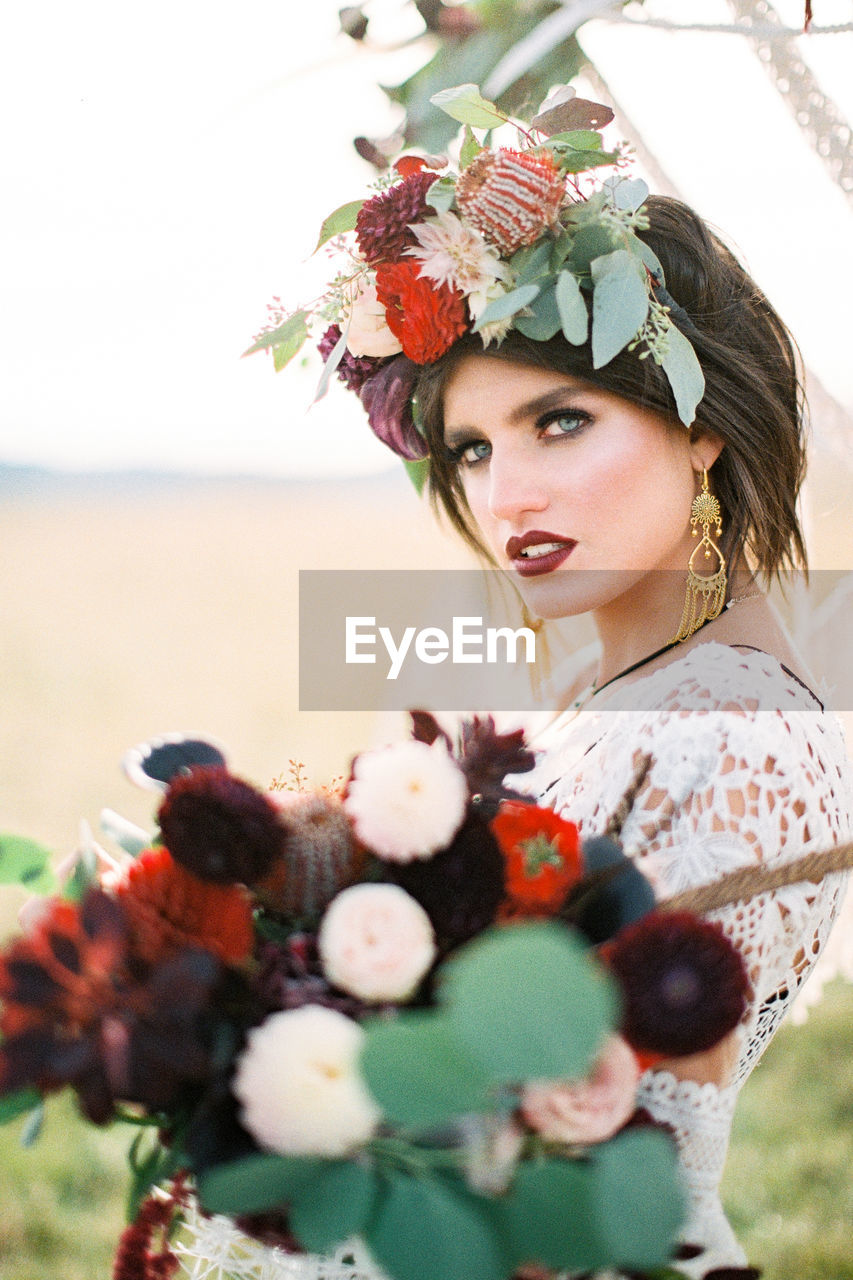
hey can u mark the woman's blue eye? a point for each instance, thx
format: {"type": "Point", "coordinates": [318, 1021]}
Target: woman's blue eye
{"type": "Point", "coordinates": [474, 452]}
{"type": "Point", "coordinates": [564, 424]}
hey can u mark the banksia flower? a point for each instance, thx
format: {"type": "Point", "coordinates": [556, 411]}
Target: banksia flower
{"type": "Point", "coordinates": [220, 828]}
{"type": "Point", "coordinates": [383, 228]}
{"type": "Point", "coordinates": [511, 196]}
{"type": "Point", "coordinates": [319, 858]}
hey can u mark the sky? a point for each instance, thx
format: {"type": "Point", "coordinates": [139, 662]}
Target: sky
{"type": "Point", "coordinates": [166, 169]}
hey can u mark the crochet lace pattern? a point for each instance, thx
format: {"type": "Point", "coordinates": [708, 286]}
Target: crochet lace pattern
{"type": "Point", "coordinates": [746, 768]}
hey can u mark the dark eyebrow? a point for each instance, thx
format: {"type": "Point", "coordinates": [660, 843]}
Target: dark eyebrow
{"type": "Point", "coordinates": [530, 409]}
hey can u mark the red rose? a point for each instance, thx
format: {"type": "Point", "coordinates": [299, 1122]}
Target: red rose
{"type": "Point", "coordinates": [542, 858]}
{"type": "Point", "coordinates": [425, 317]}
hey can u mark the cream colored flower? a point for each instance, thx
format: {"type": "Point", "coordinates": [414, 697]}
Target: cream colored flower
{"type": "Point", "coordinates": [376, 942]}
{"type": "Point", "coordinates": [368, 333]}
{"type": "Point", "coordinates": [406, 801]}
{"type": "Point", "coordinates": [477, 303]}
{"type": "Point", "coordinates": [299, 1085]}
{"type": "Point", "coordinates": [589, 1110]}
{"type": "Point", "coordinates": [453, 253]}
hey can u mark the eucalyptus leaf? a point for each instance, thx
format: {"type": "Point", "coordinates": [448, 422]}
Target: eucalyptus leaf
{"type": "Point", "coordinates": [649, 257]}
{"type": "Point", "coordinates": [429, 1228]}
{"type": "Point", "coordinates": [546, 1216]}
{"type": "Point", "coordinates": [544, 322]}
{"type": "Point", "coordinates": [25, 862]}
{"type": "Point", "coordinates": [578, 140]}
{"type": "Point", "coordinates": [333, 1205]}
{"type": "Point", "coordinates": [529, 1003]}
{"type": "Point", "coordinates": [339, 221]}
{"type": "Point", "coordinates": [637, 1200]}
{"type": "Point", "coordinates": [620, 303]}
{"type": "Point", "coordinates": [441, 195]}
{"type": "Point", "coordinates": [465, 103]}
{"type": "Point", "coordinates": [417, 469]}
{"type": "Point", "coordinates": [684, 372]}
{"type": "Point", "coordinates": [470, 148]}
{"type": "Point", "coordinates": [574, 318]}
{"type": "Point", "coordinates": [283, 352]}
{"type": "Point", "coordinates": [572, 161]}
{"type": "Point", "coordinates": [255, 1183]}
{"type": "Point", "coordinates": [419, 1073]}
{"type": "Point", "coordinates": [295, 326]}
{"type": "Point", "coordinates": [18, 1103]}
{"type": "Point", "coordinates": [628, 193]}
{"type": "Point", "coordinates": [531, 262]}
{"type": "Point", "coordinates": [509, 304]}
{"type": "Point", "coordinates": [591, 241]}
{"type": "Point", "coordinates": [335, 357]}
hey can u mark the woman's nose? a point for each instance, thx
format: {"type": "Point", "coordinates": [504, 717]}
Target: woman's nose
{"type": "Point", "coordinates": [516, 486]}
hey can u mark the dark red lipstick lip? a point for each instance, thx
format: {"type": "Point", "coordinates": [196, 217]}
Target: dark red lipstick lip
{"type": "Point", "coordinates": [543, 564]}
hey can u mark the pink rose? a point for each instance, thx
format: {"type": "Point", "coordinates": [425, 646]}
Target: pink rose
{"type": "Point", "coordinates": [589, 1110]}
{"type": "Point", "coordinates": [376, 942]}
{"type": "Point", "coordinates": [368, 333]}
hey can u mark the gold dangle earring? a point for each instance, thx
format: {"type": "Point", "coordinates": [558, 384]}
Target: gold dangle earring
{"type": "Point", "coordinates": [705, 594]}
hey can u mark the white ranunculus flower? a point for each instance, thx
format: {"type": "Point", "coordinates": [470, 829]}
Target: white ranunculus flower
{"type": "Point", "coordinates": [376, 942]}
{"type": "Point", "coordinates": [477, 303]}
{"type": "Point", "coordinates": [453, 253]}
{"type": "Point", "coordinates": [299, 1085]}
{"type": "Point", "coordinates": [368, 333]}
{"type": "Point", "coordinates": [406, 801]}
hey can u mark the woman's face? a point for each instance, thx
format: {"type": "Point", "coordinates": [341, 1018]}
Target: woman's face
{"type": "Point", "coordinates": [578, 494]}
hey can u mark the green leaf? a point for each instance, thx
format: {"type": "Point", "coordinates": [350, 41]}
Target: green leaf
{"type": "Point", "coordinates": [546, 1216]}
{"type": "Point", "coordinates": [333, 1205]}
{"type": "Point", "coordinates": [431, 1228]}
{"type": "Point", "coordinates": [574, 317]}
{"type": "Point", "coordinates": [681, 366]}
{"type": "Point", "coordinates": [255, 1183]}
{"type": "Point", "coordinates": [620, 303]}
{"type": "Point", "coordinates": [545, 320]}
{"type": "Point", "coordinates": [419, 1073]}
{"type": "Point", "coordinates": [293, 328]}
{"type": "Point", "coordinates": [417, 469]}
{"type": "Point", "coordinates": [529, 1002]}
{"type": "Point", "coordinates": [35, 1122]}
{"type": "Point", "coordinates": [592, 240]}
{"type": "Point", "coordinates": [577, 140]}
{"type": "Point", "coordinates": [507, 305]}
{"type": "Point", "coordinates": [156, 1165]}
{"type": "Point", "coordinates": [573, 161]}
{"type": "Point", "coordinates": [335, 357]}
{"type": "Point", "coordinates": [17, 1103]}
{"type": "Point", "coordinates": [441, 195]}
{"type": "Point", "coordinates": [470, 148]}
{"type": "Point", "coordinates": [83, 875]}
{"type": "Point", "coordinates": [283, 352]}
{"type": "Point", "coordinates": [629, 193]}
{"type": "Point", "coordinates": [637, 1200]}
{"type": "Point", "coordinates": [341, 220]}
{"type": "Point", "coordinates": [531, 262]}
{"type": "Point", "coordinates": [465, 103]}
{"type": "Point", "coordinates": [25, 862]}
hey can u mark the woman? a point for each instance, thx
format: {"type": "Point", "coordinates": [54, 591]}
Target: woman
{"type": "Point", "coordinates": [595, 378]}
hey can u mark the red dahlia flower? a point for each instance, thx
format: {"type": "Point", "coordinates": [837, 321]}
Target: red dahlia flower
{"type": "Point", "coordinates": [424, 316]}
{"type": "Point", "coordinates": [542, 856]}
{"type": "Point", "coordinates": [170, 909]}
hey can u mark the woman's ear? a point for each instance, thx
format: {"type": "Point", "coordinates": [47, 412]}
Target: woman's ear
{"type": "Point", "coordinates": [705, 449]}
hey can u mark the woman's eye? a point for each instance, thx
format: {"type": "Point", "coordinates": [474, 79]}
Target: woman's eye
{"type": "Point", "coordinates": [565, 423]}
{"type": "Point", "coordinates": [474, 452]}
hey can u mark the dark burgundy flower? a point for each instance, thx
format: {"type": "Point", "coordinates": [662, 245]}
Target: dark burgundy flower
{"type": "Point", "coordinates": [290, 976]}
{"type": "Point", "coordinates": [221, 828]}
{"type": "Point", "coordinates": [460, 888]}
{"type": "Point", "coordinates": [383, 227]}
{"type": "Point", "coordinates": [684, 985]}
{"type": "Point", "coordinates": [80, 1008]}
{"type": "Point", "coordinates": [353, 371]}
{"type": "Point", "coordinates": [387, 399]}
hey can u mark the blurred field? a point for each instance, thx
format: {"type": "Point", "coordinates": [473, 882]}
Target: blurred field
{"type": "Point", "coordinates": [132, 610]}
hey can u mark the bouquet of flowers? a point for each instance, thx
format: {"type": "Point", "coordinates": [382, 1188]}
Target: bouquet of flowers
{"type": "Point", "coordinates": [411, 1011]}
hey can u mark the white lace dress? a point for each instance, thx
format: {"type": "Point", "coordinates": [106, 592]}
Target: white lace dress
{"type": "Point", "coordinates": [746, 768]}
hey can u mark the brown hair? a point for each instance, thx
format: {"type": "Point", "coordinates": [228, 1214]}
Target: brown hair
{"type": "Point", "coordinates": [753, 397]}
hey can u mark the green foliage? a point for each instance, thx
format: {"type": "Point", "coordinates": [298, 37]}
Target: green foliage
{"type": "Point", "coordinates": [574, 318]}
{"type": "Point", "coordinates": [417, 469]}
{"type": "Point", "coordinates": [256, 1182]}
{"type": "Point", "coordinates": [465, 103]}
{"type": "Point", "coordinates": [335, 357]}
{"type": "Point", "coordinates": [528, 1003]}
{"type": "Point", "coordinates": [334, 1205]}
{"type": "Point", "coordinates": [340, 220]}
{"type": "Point", "coordinates": [26, 863]}
{"type": "Point", "coordinates": [18, 1104]}
{"type": "Point", "coordinates": [620, 303]}
{"type": "Point", "coordinates": [545, 320]}
{"type": "Point", "coordinates": [684, 372]}
{"type": "Point", "coordinates": [288, 339]}
{"type": "Point", "coordinates": [441, 195]}
{"type": "Point", "coordinates": [507, 305]}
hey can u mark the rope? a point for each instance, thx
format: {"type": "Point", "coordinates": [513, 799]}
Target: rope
{"type": "Point", "coordinates": [748, 882]}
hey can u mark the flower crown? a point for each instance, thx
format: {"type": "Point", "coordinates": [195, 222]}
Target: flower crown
{"type": "Point", "coordinates": [510, 241]}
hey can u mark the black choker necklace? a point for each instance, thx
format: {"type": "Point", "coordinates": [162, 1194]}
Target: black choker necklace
{"type": "Point", "coordinates": [635, 666]}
